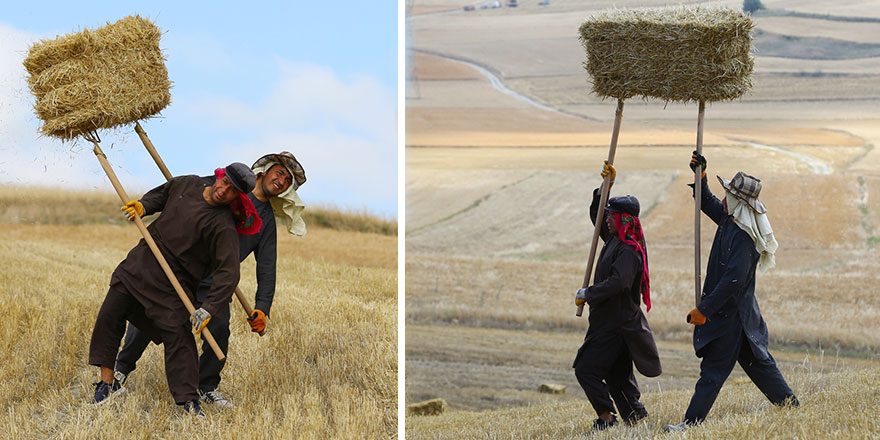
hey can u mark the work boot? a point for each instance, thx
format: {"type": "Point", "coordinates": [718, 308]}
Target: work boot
{"type": "Point", "coordinates": [104, 391]}
{"type": "Point", "coordinates": [193, 408]}
{"type": "Point", "coordinates": [216, 398]}
{"type": "Point", "coordinates": [600, 424]}
{"type": "Point", "coordinates": [634, 418]}
{"type": "Point", "coordinates": [790, 401]}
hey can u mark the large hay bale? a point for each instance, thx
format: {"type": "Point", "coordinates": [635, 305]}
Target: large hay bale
{"type": "Point", "coordinates": [675, 54]}
{"type": "Point", "coordinates": [551, 388]}
{"type": "Point", "coordinates": [431, 407]}
{"type": "Point", "coordinates": [98, 78]}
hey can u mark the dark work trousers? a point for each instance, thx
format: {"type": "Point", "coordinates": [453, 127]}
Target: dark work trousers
{"type": "Point", "coordinates": [719, 357]}
{"type": "Point", "coordinates": [209, 366]}
{"type": "Point", "coordinates": [180, 348]}
{"type": "Point", "coordinates": [604, 368]}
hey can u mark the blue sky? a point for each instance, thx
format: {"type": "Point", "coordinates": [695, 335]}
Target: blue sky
{"type": "Point", "coordinates": [315, 78]}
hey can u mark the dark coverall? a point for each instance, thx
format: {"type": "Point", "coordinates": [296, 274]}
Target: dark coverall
{"type": "Point", "coordinates": [195, 238]}
{"type": "Point", "coordinates": [734, 329]}
{"type": "Point", "coordinates": [618, 334]}
{"type": "Point", "coordinates": [264, 247]}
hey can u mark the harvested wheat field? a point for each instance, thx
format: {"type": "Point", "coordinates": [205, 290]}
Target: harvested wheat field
{"type": "Point", "coordinates": [327, 367]}
{"type": "Point", "coordinates": [505, 142]}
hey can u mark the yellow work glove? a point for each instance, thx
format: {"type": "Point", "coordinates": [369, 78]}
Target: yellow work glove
{"type": "Point", "coordinates": [257, 320]}
{"type": "Point", "coordinates": [199, 320]}
{"type": "Point", "coordinates": [696, 317]}
{"type": "Point", "coordinates": [609, 169]}
{"type": "Point", "coordinates": [131, 209]}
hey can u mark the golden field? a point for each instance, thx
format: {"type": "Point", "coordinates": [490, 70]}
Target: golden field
{"type": "Point", "coordinates": [499, 175]}
{"type": "Point", "coordinates": [327, 367]}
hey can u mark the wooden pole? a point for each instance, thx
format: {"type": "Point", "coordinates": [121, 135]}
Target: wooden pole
{"type": "Point", "coordinates": [603, 199]}
{"type": "Point", "coordinates": [152, 150]}
{"type": "Point", "coordinates": [698, 190]}
{"type": "Point", "coordinates": [152, 244]}
{"type": "Point", "coordinates": [155, 155]}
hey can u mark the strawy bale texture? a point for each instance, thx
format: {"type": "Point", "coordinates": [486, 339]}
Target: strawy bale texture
{"type": "Point", "coordinates": [551, 388]}
{"type": "Point", "coordinates": [431, 407]}
{"type": "Point", "coordinates": [676, 54]}
{"type": "Point", "coordinates": [98, 78]}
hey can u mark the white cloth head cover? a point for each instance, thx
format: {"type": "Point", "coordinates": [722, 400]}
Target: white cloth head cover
{"type": "Point", "coordinates": [288, 207]}
{"type": "Point", "coordinates": [758, 227]}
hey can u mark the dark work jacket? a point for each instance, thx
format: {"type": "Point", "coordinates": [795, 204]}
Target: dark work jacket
{"type": "Point", "coordinates": [195, 238]}
{"type": "Point", "coordinates": [264, 246]}
{"type": "Point", "coordinates": [615, 298]}
{"type": "Point", "coordinates": [728, 298]}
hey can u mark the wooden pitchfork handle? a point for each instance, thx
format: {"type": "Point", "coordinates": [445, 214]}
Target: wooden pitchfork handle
{"type": "Point", "coordinates": [152, 244]}
{"type": "Point", "coordinates": [603, 199]}
{"type": "Point", "coordinates": [698, 198]}
{"type": "Point", "coordinates": [155, 154]}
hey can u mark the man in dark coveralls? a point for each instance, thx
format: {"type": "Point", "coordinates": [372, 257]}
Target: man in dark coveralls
{"type": "Point", "coordinates": [729, 327]}
{"type": "Point", "coordinates": [196, 233]}
{"type": "Point", "coordinates": [278, 178]}
{"type": "Point", "coordinates": [618, 333]}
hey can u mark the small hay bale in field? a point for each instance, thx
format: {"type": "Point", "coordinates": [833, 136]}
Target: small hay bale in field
{"type": "Point", "coordinates": [431, 407]}
{"type": "Point", "coordinates": [675, 54]}
{"type": "Point", "coordinates": [98, 78]}
{"type": "Point", "coordinates": [551, 388]}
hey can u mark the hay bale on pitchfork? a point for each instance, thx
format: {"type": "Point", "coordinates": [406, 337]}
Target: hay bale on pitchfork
{"type": "Point", "coordinates": [674, 54]}
{"type": "Point", "coordinates": [678, 54]}
{"type": "Point", "coordinates": [103, 78]}
{"type": "Point", "coordinates": [98, 78]}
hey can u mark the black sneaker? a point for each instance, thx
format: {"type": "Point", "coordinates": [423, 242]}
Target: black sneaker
{"type": "Point", "coordinates": [193, 408]}
{"type": "Point", "coordinates": [634, 418]}
{"type": "Point", "coordinates": [104, 391]}
{"type": "Point", "coordinates": [120, 376]}
{"type": "Point", "coordinates": [601, 424]}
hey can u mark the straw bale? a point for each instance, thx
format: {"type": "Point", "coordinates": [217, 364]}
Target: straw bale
{"type": "Point", "coordinates": [675, 54]}
{"type": "Point", "coordinates": [551, 388]}
{"type": "Point", "coordinates": [98, 78]}
{"type": "Point", "coordinates": [431, 407]}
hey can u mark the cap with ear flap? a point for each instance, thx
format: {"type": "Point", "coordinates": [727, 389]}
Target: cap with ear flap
{"type": "Point", "coordinates": [241, 177]}
{"type": "Point", "coordinates": [628, 204]}
{"type": "Point", "coordinates": [287, 159]}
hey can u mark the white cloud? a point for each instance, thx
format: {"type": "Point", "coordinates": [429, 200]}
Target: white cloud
{"type": "Point", "coordinates": [344, 133]}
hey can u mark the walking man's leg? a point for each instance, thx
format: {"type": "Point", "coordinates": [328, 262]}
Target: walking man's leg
{"type": "Point", "coordinates": [181, 362]}
{"type": "Point", "coordinates": [766, 376]}
{"type": "Point", "coordinates": [719, 357]}
{"type": "Point", "coordinates": [625, 390]}
{"type": "Point", "coordinates": [132, 350]}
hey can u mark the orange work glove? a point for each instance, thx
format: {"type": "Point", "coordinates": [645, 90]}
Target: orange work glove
{"type": "Point", "coordinates": [257, 321]}
{"type": "Point", "coordinates": [131, 208]}
{"type": "Point", "coordinates": [580, 298]}
{"type": "Point", "coordinates": [696, 317]}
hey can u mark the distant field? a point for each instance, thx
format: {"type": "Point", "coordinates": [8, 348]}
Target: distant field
{"type": "Point", "coordinates": [498, 233]}
{"type": "Point", "coordinates": [327, 367]}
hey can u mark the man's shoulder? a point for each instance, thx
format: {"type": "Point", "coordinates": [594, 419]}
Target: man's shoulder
{"type": "Point", "coordinates": [188, 179]}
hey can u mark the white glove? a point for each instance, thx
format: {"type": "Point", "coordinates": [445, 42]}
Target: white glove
{"type": "Point", "coordinates": [199, 320]}
{"type": "Point", "coordinates": [581, 296]}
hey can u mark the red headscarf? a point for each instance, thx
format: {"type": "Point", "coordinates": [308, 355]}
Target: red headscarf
{"type": "Point", "coordinates": [629, 230]}
{"type": "Point", "coordinates": [247, 220]}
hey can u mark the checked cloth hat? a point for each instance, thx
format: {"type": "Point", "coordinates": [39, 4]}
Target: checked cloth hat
{"type": "Point", "coordinates": [746, 188]}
